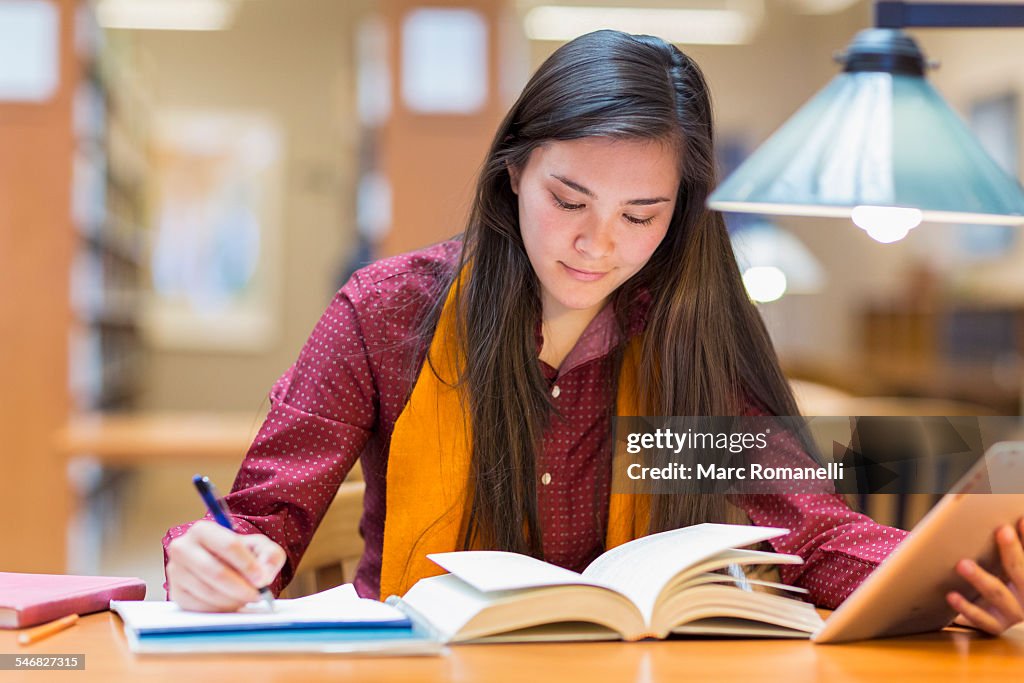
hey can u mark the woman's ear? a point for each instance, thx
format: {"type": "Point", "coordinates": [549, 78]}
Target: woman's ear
{"type": "Point", "coordinates": [513, 176]}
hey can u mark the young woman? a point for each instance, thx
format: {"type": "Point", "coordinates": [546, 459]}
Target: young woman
{"type": "Point", "coordinates": [477, 379]}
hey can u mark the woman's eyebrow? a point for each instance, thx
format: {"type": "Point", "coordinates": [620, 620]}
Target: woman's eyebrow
{"type": "Point", "coordinates": [579, 188]}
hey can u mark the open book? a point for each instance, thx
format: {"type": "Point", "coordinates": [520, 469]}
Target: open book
{"type": "Point", "coordinates": [687, 580]}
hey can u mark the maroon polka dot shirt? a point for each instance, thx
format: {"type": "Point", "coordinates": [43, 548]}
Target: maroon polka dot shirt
{"type": "Point", "coordinates": [341, 398]}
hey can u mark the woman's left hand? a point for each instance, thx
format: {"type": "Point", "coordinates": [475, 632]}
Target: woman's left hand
{"type": "Point", "coordinates": [1001, 605]}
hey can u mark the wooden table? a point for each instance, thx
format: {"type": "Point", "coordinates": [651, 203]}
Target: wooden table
{"type": "Point", "coordinates": [137, 438]}
{"type": "Point", "coordinates": [951, 655]}
{"type": "Point", "coordinates": [126, 441]}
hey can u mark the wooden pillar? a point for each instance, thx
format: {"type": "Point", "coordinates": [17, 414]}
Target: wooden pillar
{"type": "Point", "coordinates": [36, 242]}
{"type": "Point", "coordinates": [430, 159]}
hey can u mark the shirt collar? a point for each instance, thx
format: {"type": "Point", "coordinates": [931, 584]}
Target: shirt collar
{"type": "Point", "coordinates": [604, 333]}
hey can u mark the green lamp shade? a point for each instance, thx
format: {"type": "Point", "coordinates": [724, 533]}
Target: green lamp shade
{"type": "Point", "coordinates": [874, 139]}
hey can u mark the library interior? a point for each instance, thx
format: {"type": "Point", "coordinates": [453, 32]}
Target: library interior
{"type": "Point", "coordinates": [185, 184]}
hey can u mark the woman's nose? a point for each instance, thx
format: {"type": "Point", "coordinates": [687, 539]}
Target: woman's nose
{"type": "Point", "coordinates": [596, 240]}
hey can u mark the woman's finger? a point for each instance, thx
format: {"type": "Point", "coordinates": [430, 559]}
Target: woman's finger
{"type": "Point", "coordinates": [995, 592]}
{"type": "Point", "coordinates": [198, 595]}
{"type": "Point", "coordinates": [1011, 551]}
{"type": "Point", "coordinates": [221, 579]}
{"type": "Point", "coordinates": [974, 615]}
{"type": "Point", "coordinates": [177, 593]}
{"type": "Point", "coordinates": [189, 596]}
{"type": "Point", "coordinates": [269, 555]}
{"type": "Point", "coordinates": [230, 548]}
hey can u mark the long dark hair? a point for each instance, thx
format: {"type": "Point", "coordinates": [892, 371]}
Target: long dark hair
{"type": "Point", "coordinates": [705, 349]}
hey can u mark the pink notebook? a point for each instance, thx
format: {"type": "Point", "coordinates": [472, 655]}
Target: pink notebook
{"type": "Point", "coordinates": [29, 599]}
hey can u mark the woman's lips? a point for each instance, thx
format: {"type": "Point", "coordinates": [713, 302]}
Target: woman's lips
{"type": "Point", "coordinates": [582, 275]}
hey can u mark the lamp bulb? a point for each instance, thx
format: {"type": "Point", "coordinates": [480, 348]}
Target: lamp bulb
{"type": "Point", "coordinates": [886, 224]}
{"type": "Point", "coordinates": [764, 283]}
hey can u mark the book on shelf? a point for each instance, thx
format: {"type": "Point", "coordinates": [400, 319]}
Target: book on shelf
{"type": "Point", "coordinates": [334, 621]}
{"type": "Point", "coordinates": [684, 581]}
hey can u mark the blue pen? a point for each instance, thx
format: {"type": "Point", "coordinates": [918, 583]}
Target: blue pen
{"type": "Point", "coordinates": [220, 514]}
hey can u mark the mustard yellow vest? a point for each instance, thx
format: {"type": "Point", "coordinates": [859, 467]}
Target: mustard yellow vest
{"type": "Point", "coordinates": [428, 489]}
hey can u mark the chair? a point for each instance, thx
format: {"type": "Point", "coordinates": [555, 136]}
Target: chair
{"type": "Point", "coordinates": [332, 556]}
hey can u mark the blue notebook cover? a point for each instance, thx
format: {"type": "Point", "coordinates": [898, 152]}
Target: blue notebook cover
{"type": "Point", "coordinates": [301, 635]}
{"type": "Point", "coordinates": [350, 641]}
{"type": "Point", "coordinates": [369, 626]}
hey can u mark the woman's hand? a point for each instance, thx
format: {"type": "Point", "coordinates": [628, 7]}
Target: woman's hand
{"type": "Point", "coordinates": [1001, 604]}
{"type": "Point", "coordinates": [213, 569]}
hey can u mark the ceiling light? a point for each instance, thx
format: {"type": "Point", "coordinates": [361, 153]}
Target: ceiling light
{"type": "Point", "coordinates": [684, 26]}
{"type": "Point", "coordinates": [167, 15]}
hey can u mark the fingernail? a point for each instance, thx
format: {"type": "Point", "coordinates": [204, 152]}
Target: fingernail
{"type": "Point", "coordinates": [968, 567]}
{"type": "Point", "coordinates": [1006, 534]}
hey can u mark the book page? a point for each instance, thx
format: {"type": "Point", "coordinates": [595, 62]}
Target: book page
{"type": "Point", "coordinates": [492, 570]}
{"type": "Point", "coordinates": [712, 601]}
{"type": "Point", "coordinates": [456, 611]}
{"type": "Point", "coordinates": [641, 568]}
{"type": "Point", "coordinates": [733, 561]}
{"type": "Point", "coordinates": [443, 604]}
{"type": "Point", "coordinates": [334, 607]}
{"type": "Point", "coordinates": [746, 584]}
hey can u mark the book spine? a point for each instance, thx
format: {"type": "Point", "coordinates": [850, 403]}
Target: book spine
{"type": "Point", "coordinates": [633, 637]}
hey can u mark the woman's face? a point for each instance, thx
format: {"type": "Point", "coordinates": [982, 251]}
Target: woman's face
{"type": "Point", "coordinates": [591, 212]}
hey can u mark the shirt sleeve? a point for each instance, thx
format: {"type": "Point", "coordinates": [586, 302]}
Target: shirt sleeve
{"type": "Point", "coordinates": [839, 547]}
{"type": "Point", "coordinates": [322, 412]}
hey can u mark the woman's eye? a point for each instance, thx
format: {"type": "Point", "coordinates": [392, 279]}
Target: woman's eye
{"type": "Point", "coordinates": [566, 205]}
{"type": "Point", "coordinates": [639, 221]}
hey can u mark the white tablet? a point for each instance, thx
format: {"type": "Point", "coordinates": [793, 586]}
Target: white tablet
{"type": "Point", "coordinates": [907, 592]}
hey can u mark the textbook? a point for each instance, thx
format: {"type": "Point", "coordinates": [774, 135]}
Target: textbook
{"type": "Point", "coordinates": [332, 621]}
{"type": "Point", "coordinates": [686, 581]}
{"type": "Point", "coordinates": [30, 599]}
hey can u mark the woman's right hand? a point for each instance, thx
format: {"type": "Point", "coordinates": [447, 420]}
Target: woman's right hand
{"type": "Point", "coordinates": [213, 569]}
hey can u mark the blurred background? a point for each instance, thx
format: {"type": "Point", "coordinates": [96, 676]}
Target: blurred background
{"type": "Point", "coordinates": [184, 184]}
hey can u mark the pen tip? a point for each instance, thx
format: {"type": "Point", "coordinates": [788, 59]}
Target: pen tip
{"type": "Point", "coordinates": [268, 598]}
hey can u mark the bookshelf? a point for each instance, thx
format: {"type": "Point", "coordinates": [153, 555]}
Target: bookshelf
{"type": "Point", "coordinates": [963, 350]}
{"type": "Point", "coordinates": [109, 209]}
{"type": "Point", "coordinates": [111, 115]}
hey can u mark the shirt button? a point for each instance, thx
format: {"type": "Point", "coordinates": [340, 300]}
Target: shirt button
{"type": "Point", "coordinates": [545, 478]}
{"type": "Point", "coordinates": [556, 390]}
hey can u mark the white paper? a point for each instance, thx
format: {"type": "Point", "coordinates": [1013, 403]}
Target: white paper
{"type": "Point", "coordinates": [492, 570]}
{"type": "Point", "coordinates": [341, 604]}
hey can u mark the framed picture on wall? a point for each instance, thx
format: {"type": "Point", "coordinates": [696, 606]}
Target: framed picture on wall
{"type": "Point", "coordinates": [216, 252]}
